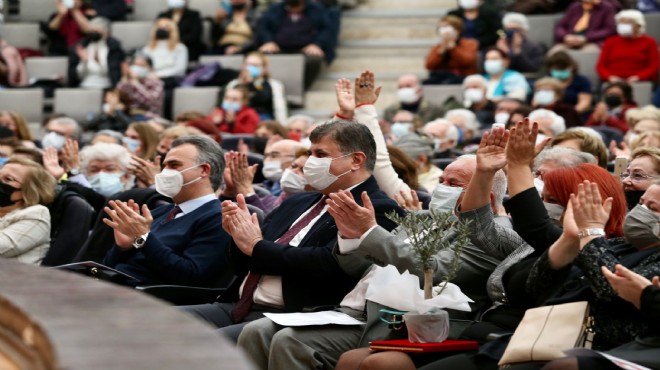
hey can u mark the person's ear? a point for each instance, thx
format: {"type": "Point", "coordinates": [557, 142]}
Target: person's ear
{"type": "Point", "coordinates": [358, 160]}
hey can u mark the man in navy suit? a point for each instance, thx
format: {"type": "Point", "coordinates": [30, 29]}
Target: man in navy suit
{"type": "Point", "coordinates": [292, 254]}
{"type": "Point", "coordinates": [181, 243]}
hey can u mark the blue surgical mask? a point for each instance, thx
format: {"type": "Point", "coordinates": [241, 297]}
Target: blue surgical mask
{"type": "Point", "coordinates": [106, 183]}
{"type": "Point", "coordinates": [401, 128]}
{"type": "Point", "coordinates": [131, 144]}
{"type": "Point", "coordinates": [254, 71]}
{"type": "Point", "coordinates": [229, 106]}
{"type": "Point", "coordinates": [544, 97]}
{"type": "Point", "coordinates": [444, 198]}
{"type": "Point", "coordinates": [561, 74]}
{"type": "Point", "coordinates": [3, 160]}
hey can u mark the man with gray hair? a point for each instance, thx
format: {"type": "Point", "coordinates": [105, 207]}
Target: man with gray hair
{"type": "Point", "coordinates": [526, 55]}
{"type": "Point", "coordinates": [95, 61]}
{"type": "Point", "coordinates": [445, 137]}
{"type": "Point", "coordinates": [550, 123]}
{"type": "Point", "coordinates": [58, 130]}
{"type": "Point", "coordinates": [411, 98]}
{"type": "Point", "coordinates": [182, 243]}
{"type": "Point", "coordinates": [466, 122]}
{"type": "Point", "coordinates": [474, 98]}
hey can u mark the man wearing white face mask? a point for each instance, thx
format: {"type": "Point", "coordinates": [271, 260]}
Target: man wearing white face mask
{"type": "Point", "coordinates": [278, 156]}
{"type": "Point", "coordinates": [57, 130]}
{"type": "Point", "coordinates": [474, 99]}
{"type": "Point", "coordinates": [180, 243]}
{"type": "Point", "coordinates": [289, 264]}
{"type": "Point", "coordinates": [445, 138]}
{"type": "Point", "coordinates": [411, 98]}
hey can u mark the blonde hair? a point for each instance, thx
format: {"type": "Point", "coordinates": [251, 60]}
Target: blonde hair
{"type": "Point", "coordinates": [22, 130]}
{"type": "Point", "coordinates": [554, 83]}
{"type": "Point", "coordinates": [638, 141]}
{"type": "Point", "coordinates": [39, 185]}
{"type": "Point", "coordinates": [648, 151]}
{"type": "Point", "coordinates": [634, 115]}
{"type": "Point", "coordinates": [174, 38]}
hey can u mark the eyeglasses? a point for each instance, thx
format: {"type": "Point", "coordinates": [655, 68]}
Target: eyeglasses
{"type": "Point", "coordinates": [635, 177]}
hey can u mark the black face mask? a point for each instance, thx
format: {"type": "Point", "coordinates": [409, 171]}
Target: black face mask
{"type": "Point", "coordinates": [6, 191]}
{"type": "Point", "coordinates": [162, 34]}
{"type": "Point", "coordinates": [633, 197]}
{"type": "Point", "coordinates": [94, 36]}
{"type": "Point", "coordinates": [259, 144]}
{"type": "Point", "coordinates": [239, 7]}
{"type": "Point", "coordinates": [613, 101]}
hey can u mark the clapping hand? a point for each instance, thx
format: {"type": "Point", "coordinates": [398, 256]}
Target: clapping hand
{"type": "Point", "coordinates": [243, 227]}
{"type": "Point", "coordinates": [589, 210]}
{"type": "Point", "coordinates": [127, 222]}
{"type": "Point", "coordinates": [491, 155]}
{"type": "Point", "coordinates": [352, 220]}
{"type": "Point", "coordinates": [145, 171]}
{"type": "Point", "coordinates": [408, 202]}
{"type": "Point", "coordinates": [627, 284]}
{"type": "Point", "coordinates": [345, 98]}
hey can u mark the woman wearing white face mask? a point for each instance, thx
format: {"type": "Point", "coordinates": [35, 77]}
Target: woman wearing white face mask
{"type": "Point", "coordinates": [481, 22]}
{"type": "Point", "coordinates": [548, 93]}
{"type": "Point", "coordinates": [631, 55]}
{"type": "Point", "coordinates": [501, 80]}
{"type": "Point", "coordinates": [104, 165]}
{"type": "Point", "coordinates": [454, 56]}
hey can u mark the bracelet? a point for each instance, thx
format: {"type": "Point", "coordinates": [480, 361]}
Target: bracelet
{"type": "Point", "coordinates": [591, 232]}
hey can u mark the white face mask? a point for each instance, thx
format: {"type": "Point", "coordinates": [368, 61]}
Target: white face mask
{"type": "Point", "coordinates": [272, 170]}
{"type": "Point", "coordinates": [106, 183]}
{"type": "Point", "coordinates": [317, 172]}
{"type": "Point", "coordinates": [624, 29]}
{"type": "Point", "coordinates": [444, 198]}
{"type": "Point", "coordinates": [544, 97]}
{"type": "Point", "coordinates": [401, 128]}
{"type": "Point", "coordinates": [53, 139]}
{"type": "Point", "coordinates": [291, 182]}
{"type": "Point", "coordinates": [468, 4]}
{"type": "Point", "coordinates": [176, 3]}
{"type": "Point", "coordinates": [407, 95]}
{"type": "Point", "coordinates": [139, 71]}
{"type": "Point", "coordinates": [539, 185]}
{"type": "Point", "coordinates": [446, 31]}
{"type": "Point", "coordinates": [306, 142]}
{"type": "Point", "coordinates": [502, 118]}
{"type": "Point", "coordinates": [473, 95]}
{"type": "Point", "coordinates": [554, 211]}
{"type": "Point", "coordinates": [493, 66]}
{"type": "Point", "coordinates": [169, 182]}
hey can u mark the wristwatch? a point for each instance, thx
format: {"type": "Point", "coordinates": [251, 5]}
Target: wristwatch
{"type": "Point", "coordinates": [591, 232]}
{"type": "Point", "coordinates": [140, 240]}
{"type": "Point", "coordinates": [73, 172]}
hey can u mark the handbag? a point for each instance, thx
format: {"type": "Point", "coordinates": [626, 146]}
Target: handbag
{"type": "Point", "coordinates": [545, 332]}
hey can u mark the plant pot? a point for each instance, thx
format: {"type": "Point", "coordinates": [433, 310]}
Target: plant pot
{"type": "Point", "coordinates": [428, 327]}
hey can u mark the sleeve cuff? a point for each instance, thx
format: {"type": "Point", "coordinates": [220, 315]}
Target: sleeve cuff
{"type": "Point", "coordinates": [347, 246]}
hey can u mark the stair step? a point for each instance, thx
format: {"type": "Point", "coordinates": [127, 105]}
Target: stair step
{"type": "Point", "coordinates": [379, 32]}
{"type": "Point", "coordinates": [409, 5]}
{"type": "Point", "coordinates": [326, 101]}
{"type": "Point", "coordinates": [375, 51]}
{"type": "Point", "coordinates": [389, 43]}
{"type": "Point", "coordinates": [416, 20]}
{"type": "Point", "coordinates": [410, 65]}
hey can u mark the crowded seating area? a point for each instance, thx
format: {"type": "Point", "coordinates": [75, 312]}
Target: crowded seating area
{"type": "Point", "coordinates": [171, 147]}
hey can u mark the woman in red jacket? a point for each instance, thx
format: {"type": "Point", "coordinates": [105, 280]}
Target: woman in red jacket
{"type": "Point", "coordinates": [234, 115]}
{"type": "Point", "coordinates": [631, 55]}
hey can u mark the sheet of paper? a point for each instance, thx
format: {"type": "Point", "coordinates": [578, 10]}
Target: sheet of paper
{"type": "Point", "coordinates": [312, 318]}
{"type": "Point", "coordinates": [615, 360]}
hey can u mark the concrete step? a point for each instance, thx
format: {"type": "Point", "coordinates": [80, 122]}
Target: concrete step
{"type": "Point", "coordinates": [376, 51]}
{"type": "Point", "coordinates": [400, 21]}
{"type": "Point", "coordinates": [385, 31]}
{"type": "Point", "coordinates": [410, 4]}
{"type": "Point", "coordinates": [392, 43]}
{"type": "Point", "coordinates": [327, 102]}
{"type": "Point", "coordinates": [352, 66]}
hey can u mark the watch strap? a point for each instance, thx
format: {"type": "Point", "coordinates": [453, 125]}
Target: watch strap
{"type": "Point", "coordinates": [591, 232]}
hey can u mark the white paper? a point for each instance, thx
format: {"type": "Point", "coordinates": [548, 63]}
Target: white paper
{"type": "Point", "coordinates": [313, 318]}
{"type": "Point", "coordinates": [584, 352]}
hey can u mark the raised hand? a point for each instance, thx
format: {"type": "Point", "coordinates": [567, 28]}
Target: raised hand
{"type": "Point", "coordinates": [366, 91]}
{"type": "Point", "coordinates": [352, 220]}
{"type": "Point", "coordinates": [345, 98]}
{"type": "Point", "coordinates": [70, 155]}
{"type": "Point", "coordinates": [52, 164]}
{"type": "Point", "coordinates": [145, 171]}
{"type": "Point", "coordinates": [589, 210]}
{"type": "Point", "coordinates": [624, 151]}
{"type": "Point", "coordinates": [242, 174]}
{"type": "Point", "coordinates": [491, 155]}
{"type": "Point", "coordinates": [522, 147]}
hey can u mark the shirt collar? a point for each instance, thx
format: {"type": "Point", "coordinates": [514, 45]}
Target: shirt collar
{"type": "Point", "coordinates": [191, 205]}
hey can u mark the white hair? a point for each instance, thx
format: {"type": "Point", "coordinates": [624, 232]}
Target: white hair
{"type": "Point", "coordinates": [558, 124]}
{"type": "Point", "coordinates": [309, 121]}
{"type": "Point", "coordinates": [68, 121]}
{"type": "Point", "coordinates": [634, 15]}
{"type": "Point", "coordinates": [518, 18]}
{"type": "Point", "coordinates": [589, 131]}
{"type": "Point", "coordinates": [563, 157]}
{"type": "Point", "coordinates": [475, 78]}
{"type": "Point", "coordinates": [471, 122]}
{"type": "Point", "coordinates": [104, 152]}
{"type": "Point", "coordinates": [100, 22]}
{"type": "Point", "coordinates": [452, 130]}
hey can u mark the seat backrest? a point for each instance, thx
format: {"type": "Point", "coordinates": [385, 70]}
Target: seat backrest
{"type": "Point", "coordinates": [133, 35]}
{"type": "Point", "coordinates": [28, 102]}
{"type": "Point", "coordinates": [201, 99]}
{"type": "Point", "coordinates": [50, 68]}
{"type": "Point", "coordinates": [542, 28]}
{"type": "Point", "coordinates": [205, 7]}
{"type": "Point", "coordinates": [34, 10]}
{"type": "Point", "coordinates": [653, 25]}
{"type": "Point", "coordinates": [438, 94]}
{"type": "Point", "coordinates": [148, 10]}
{"type": "Point", "coordinates": [21, 35]}
{"type": "Point", "coordinates": [226, 61]}
{"type": "Point", "coordinates": [586, 61]}
{"type": "Point", "coordinates": [78, 104]}
{"type": "Point", "coordinates": [642, 92]}
{"type": "Point", "coordinates": [230, 141]}
{"type": "Point", "coordinates": [71, 219]}
{"type": "Point", "coordinates": [290, 70]}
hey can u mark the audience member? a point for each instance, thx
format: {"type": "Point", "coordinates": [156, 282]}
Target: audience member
{"type": "Point", "coordinates": [466, 122]}
{"type": "Point", "coordinates": [577, 88]}
{"type": "Point", "coordinates": [518, 115]}
{"type": "Point", "coordinates": [141, 140]}
{"type": "Point", "coordinates": [411, 98]}
{"type": "Point", "coordinates": [12, 67]}
{"type": "Point", "coordinates": [548, 93]}
{"type": "Point", "coordinates": [617, 99]}
{"type": "Point", "coordinates": [643, 170]}
{"type": "Point", "coordinates": [95, 61]}
{"type": "Point", "coordinates": [107, 136]}
{"type": "Point", "coordinates": [189, 24]}
{"type": "Point", "coordinates": [203, 126]}
{"type": "Point", "coordinates": [66, 26]}
{"type": "Point", "coordinates": [298, 26]}
{"type": "Point", "coordinates": [578, 138]}
{"type": "Point", "coordinates": [403, 123]}
{"type": "Point", "coordinates": [235, 115]}
{"type": "Point", "coordinates": [266, 132]}
{"type": "Point", "coordinates": [631, 55]}
{"type": "Point", "coordinates": [454, 56]}
{"type": "Point", "coordinates": [114, 10]}
{"type": "Point", "coordinates": [179, 243]}
{"type": "Point", "coordinates": [480, 21]}
{"type": "Point", "coordinates": [298, 126]}
{"type": "Point", "coordinates": [233, 32]}
{"type": "Point", "coordinates": [25, 189]}
{"type": "Point", "coordinates": [420, 149]}
{"type": "Point", "coordinates": [550, 123]}
{"type": "Point", "coordinates": [584, 26]}
{"type": "Point", "coordinates": [269, 267]}
{"type": "Point", "coordinates": [445, 138]}
{"type": "Point", "coordinates": [406, 169]}
{"type": "Point", "coordinates": [58, 130]}
{"type": "Point", "coordinates": [104, 167]}
{"type": "Point", "coordinates": [476, 99]}
{"type": "Point", "coordinates": [504, 109]}
{"type": "Point", "coordinates": [526, 55]}
{"type": "Point", "coordinates": [168, 54]}
{"type": "Point", "coordinates": [142, 86]}
{"type": "Point", "coordinates": [114, 113]}
{"type": "Point", "coordinates": [502, 81]}
{"type": "Point", "coordinates": [278, 156]}
{"type": "Point", "coordinates": [17, 124]}
{"type": "Point", "coordinates": [266, 94]}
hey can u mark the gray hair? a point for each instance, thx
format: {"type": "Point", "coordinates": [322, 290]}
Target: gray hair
{"type": "Point", "coordinates": [351, 137]}
{"type": "Point", "coordinates": [309, 121]}
{"type": "Point", "coordinates": [414, 145]}
{"type": "Point", "coordinates": [452, 130]}
{"type": "Point", "coordinates": [563, 157]}
{"type": "Point", "coordinates": [104, 152]}
{"type": "Point", "coordinates": [113, 134]}
{"type": "Point", "coordinates": [471, 122]}
{"type": "Point", "coordinates": [476, 78]}
{"type": "Point", "coordinates": [634, 15]}
{"type": "Point", "coordinates": [518, 18]}
{"type": "Point", "coordinates": [100, 22]}
{"type": "Point", "coordinates": [558, 124]}
{"type": "Point", "coordinates": [68, 121]}
{"type": "Point", "coordinates": [208, 151]}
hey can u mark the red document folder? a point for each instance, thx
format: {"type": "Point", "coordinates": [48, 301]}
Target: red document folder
{"type": "Point", "coordinates": [404, 345]}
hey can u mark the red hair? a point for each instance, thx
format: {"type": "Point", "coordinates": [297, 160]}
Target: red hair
{"type": "Point", "coordinates": [561, 182]}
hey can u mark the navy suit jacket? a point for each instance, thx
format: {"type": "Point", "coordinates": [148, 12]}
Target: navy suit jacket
{"type": "Point", "coordinates": [311, 274]}
{"type": "Point", "coordinates": [190, 250]}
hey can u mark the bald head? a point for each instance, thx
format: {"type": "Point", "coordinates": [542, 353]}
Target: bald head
{"type": "Point", "coordinates": [283, 151]}
{"type": "Point", "coordinates": [408, 80]}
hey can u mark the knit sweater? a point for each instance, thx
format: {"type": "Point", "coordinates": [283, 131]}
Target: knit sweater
{"type": "Point", "coordinates": [629, 56]}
